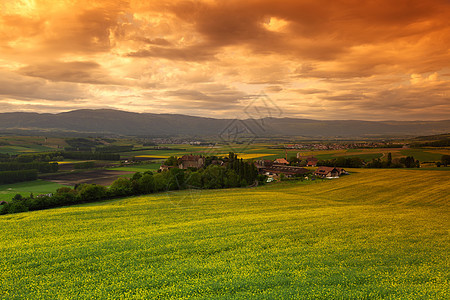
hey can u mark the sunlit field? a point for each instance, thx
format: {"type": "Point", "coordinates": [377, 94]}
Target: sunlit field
{"type": "Point", "coordinates": [259, 151]}
{"type": "Point", "coordinates": [373, 234]}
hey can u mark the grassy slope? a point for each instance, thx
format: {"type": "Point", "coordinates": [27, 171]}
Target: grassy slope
{"type": "Point", "coordinates": [373, 234]}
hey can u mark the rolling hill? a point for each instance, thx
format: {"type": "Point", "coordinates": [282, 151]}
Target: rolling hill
{"type": "Point", "coordinates": [117, 122]}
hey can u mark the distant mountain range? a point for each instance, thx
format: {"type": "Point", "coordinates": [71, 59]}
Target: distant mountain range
{"type": "Point", "coordinates": [115, 122]}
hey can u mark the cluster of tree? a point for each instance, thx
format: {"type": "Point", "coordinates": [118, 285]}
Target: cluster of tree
{"type": "Point", "coordinates": [440, 143]}
{"type": "Point", "coordinates": [295, 161]}
{"type": "Point", "coordinates": [81, 144]}
{"type": "Point", "coordinates": [172, 161]}
{"type": "Point", "coordinates": [84, 165]}
{"type": "Point", "coordinates": [445, 161]}
{"type": "Point", "coordinates": [46, 157]}
{"type": "Point", "coordinates": [246, 170]}
{"type": "Point", "coordinates": [350, 162]}
{"type": "Point", "coordinates": [64, 196]}
{"type": "Point", "coordinates": [356, 162]}
{"type": "Point", "coordinates": [211, 177]}
{"type": "Point", "coordinates": [17, 176]}
{"type": "Point", "coordinates": [404, 162]}
{"type": "Point", "coordinates": [59, 155]}
{"type": "Point", "coordinates": [113, 148]}
{"type": "Point", "coordinates": [91, 155]}
{"type": "Point", "coordinates": [41, 167]}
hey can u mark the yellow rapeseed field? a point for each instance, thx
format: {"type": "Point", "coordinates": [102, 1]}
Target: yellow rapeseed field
{"type": "Point", "coordinates": [375, 234]}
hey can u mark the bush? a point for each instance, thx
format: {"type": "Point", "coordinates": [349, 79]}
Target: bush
{"type": "Point", "coordinates": [231, 179]}
{"type": "Point", "coordinates": [91, 192]}
{"type": "Point", "coordinates": [445, 159]}
{"type": "Point", "coordinates": [213, 177]}
{"type": "Point", "coordinates": [121, 187]}
{"type": "Point", "coordinates": [42, 167]}
{"type": "Point", "coordinates": [194, 180]}
{"type": "Point", "coordinates": [16, 207]}
{"type": "Point", "coordinates": [174, 179]}
{"type": "Point", "coordinates": [147, 184]}
{"type": "Point", "coordinates": [160, 182]}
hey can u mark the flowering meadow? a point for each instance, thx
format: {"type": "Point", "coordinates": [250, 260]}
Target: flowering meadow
{"type": "Point", "coordinates": [374, 234]}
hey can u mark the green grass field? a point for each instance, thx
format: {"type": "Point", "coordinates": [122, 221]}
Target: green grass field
{"type": "Point", "coordinates": [422, 155]}
{"type": "Point", "coordinates": [139, 168]}
{"type": "Point", "coordinates": [375, 234]}
{"type": "Point", "coordinates": [8, 191]}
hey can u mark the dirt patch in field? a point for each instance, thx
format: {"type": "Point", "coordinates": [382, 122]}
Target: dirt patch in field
{"type": "Point", "coordinates": [101, 177]}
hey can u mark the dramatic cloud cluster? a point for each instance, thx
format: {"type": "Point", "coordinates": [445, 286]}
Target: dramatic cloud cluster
{"type": "Point", "coordinates": [343, 59]}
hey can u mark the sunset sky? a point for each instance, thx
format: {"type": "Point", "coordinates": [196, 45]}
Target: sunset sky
{"type": "Point", "coordinates": [368, 60]}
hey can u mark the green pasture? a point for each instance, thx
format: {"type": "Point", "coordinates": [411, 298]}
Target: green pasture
{"type": "Point", "coordinates": [421, 155]}
{"type": "Point", "coordinates": [23, 149]}
{"type": "Point", "coordinates": [138, 168]}
{"type": "Point", "coordinates": [375, 234]}
{"type": "Point", "coordinates": [8, 191]}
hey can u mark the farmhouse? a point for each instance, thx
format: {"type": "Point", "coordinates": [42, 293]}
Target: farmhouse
{"type": "Point", "coordinates": [326, 172]}
{"type": "Point", "coordinates": [267, 167]}
{"type": "Point", "coordinates": [329, 172]}
{"type": "Point", "coordinates": [286, 170]}
{"type": "Point", "coordinates": [281, 161]}
{"type": "Point", "coordinates": [191, 161]}
{"type": "Point", "coordinates": [262, 164]}
{"type": "Point", "coordinates": [342, 171]}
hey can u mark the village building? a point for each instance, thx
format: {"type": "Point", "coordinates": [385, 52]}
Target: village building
{"type": "Point", "coordinates": [288, 171]}
{"type": "Point", "coordinates": [311, 161]}
{"type": "Point", "coordinates": [281, 161]}
{"type": "Point", "coordinates": [272, 169]}
{"type": "Point", "coordinates": [342, 171]}
{"type": "Point", "coordinates": [329, 172]}
{"type": "Point", "coordinates": [191, 161]}
{"type": "Point", "coordinates": [263, 164]}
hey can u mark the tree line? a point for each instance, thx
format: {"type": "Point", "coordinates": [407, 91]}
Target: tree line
{"type": "Point", "coordinates": [356, 162]}
{"type": "Point", "coordinates": [440, 143]}
{"type": "Point", "coordinates": [41, 167]}
{"type": "Point", "coordinates": [18, 176]}
{"type": "Point", "coordinates": [59, 155]}
{"type": "Point", "coordinates": [404, 162]}
{"type": "Point", "coordinates": [236, 173]}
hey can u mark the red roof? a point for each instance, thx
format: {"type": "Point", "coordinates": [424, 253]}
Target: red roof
{"type": "Point", "coordinates": [281, 161]}
{"type": "Point", "coordinates": [325, 170]}
{"type": "Point", "coordinates": [312, 163]}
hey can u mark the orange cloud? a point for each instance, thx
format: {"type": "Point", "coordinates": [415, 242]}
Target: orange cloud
{"type": "Point", "coordinates": [341, 59]}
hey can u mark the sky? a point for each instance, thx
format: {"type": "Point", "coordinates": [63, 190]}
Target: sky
{"type": "Point", "coordinates": [315, 59]}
